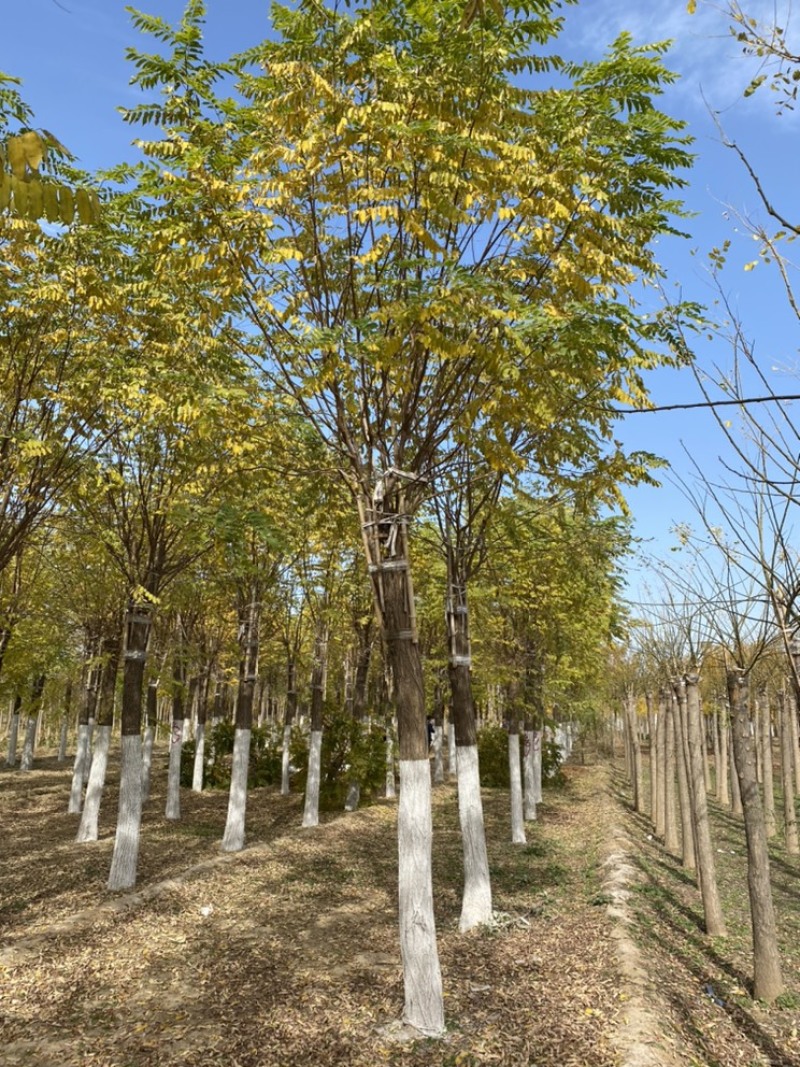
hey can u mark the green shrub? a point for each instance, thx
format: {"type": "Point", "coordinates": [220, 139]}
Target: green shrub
{"type": "Point", "coordinates": [350, 751]}
{"type": "Point", "coordinates": [264, 765]}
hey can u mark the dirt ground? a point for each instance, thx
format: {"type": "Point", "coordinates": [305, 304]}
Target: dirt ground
{"type": "Point", "coordinates": [286, 954]}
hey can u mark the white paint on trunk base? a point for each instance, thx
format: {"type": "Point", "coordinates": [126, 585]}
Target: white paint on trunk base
{"type": "Point", "coordinates": [173, 807]}
{"type": "Point", "coordinates": [79, 770]}
{"type": "Point", "coordinates": [529, 798]}
{"type": "Point", "coordinates": [438, 762]}
{"type": "Point", "coordinates": [87, 831]}
{"type": "Point", "coordinates": [537, 766]}
{"type": "Point", "coordinates": [62, 741]}
{"type": "Point", "coordinates": [13, 734]}
{"type": "Point", "coordinates": [391, 792]}
{"type": "Point", "coordinates": [517, 822]}
{"type": "Point", "coordinates": [26, 762]}
{"type": "Point", "coordinates": [311, 807]}
{"type": "Point", "coordinates": [287, 736]}
{"type": "Point", "coordinates": [129, 818]}
{"type": "Point", "coordinates": [476, 904]}
{"type": "Point", "coordinates": [233, 838]}
{"type": "Point", "coordinates": [199, 756]}
{"type": "Point", "coordinates": [147, 762]}
{"type": "Point", "coordinates": [422, 978]}
{"type": "Point", "coordinates": [452, 751]}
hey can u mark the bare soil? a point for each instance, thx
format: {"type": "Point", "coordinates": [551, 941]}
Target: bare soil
{"type": "Point", "coordinates": [286, 954]}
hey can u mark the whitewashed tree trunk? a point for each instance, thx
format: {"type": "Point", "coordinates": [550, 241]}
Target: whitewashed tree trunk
{"type": "Point", "coordinates": [79, 770]}
{"type": "Point", "coordinates": [287, 736]}
{"type": "Point", "coordinates": [87, 831]}
{"type": "Point", "coordinates": [173, 806]}
{"type": "Point", "coordinates": [233, 838]}
{"type": "Point", "coordinates": [517, 822]}
{"type": "Point", "coordinates": [353, 797]}
{"type": "Point", "coordinates": [452, 753]}
{"type": "Point", "coordinates": [126, 842]}
{"type": "Point", "coordinates": [13, 735]}
{"type": "Point", "coordinates": [391, 792]}
{"type": "Point", "coordinates": [147, 762]}
{"type": "Point", "coordinates": [421, 973]}
{"type": "Point", "coordinates": [311, 807]}
{"type": "Point", "coordinates": [529, 796]}
{"type": "Point", "coordinates": [476, 904]}
{"type": "Point", "coordinates": [438, 762]}
{"type": "Point", "coordinates": [62, 740]}
{"type": "Point", "coordinates": [26, 761]}
{"type": "Point", "coordinates": [537, 766]}
{"type": "Point", "coordinates": [199, 756]}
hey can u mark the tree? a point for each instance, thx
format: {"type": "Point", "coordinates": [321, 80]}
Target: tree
{"type": "Point", "coordinates": [428, 251]}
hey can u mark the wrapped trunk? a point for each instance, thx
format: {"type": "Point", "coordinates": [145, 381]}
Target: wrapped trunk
{"type": "Point", "coordinates": [767, 980]}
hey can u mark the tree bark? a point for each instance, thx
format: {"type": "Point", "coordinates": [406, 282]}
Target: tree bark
{"type": "Point", "coordinates": [670, 804]}
{"type": "Point", "coordinates": [172, 809]}
{"type": "Point", "coordinates": [313, 778]}
{"type": "Point", "coordinates": [289, 715]}
{"type": "Point", "coordinates": [787, 776]}
{"type": "Point", "coordinates": [126, 840]}
{"type": "Point", "coordinates": [688, 857]}
{"type": "Point", "coordinates": [706, 866]}
{"type": "Point", "coordinates": [768, 767]}
{"type": "Point", "coordinates": [767, 980]}
{"type": "Point", "coordinates": [652, 726]}
{"type": "Point", "coordinates": [13, 732]}
{"type": "Point", "coordinates": [87, 831]}
{"type": "Point", "coordinates": [234, 836]}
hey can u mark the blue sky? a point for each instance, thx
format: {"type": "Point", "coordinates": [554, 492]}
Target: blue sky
{"type": "Point", "coordinates": [70, 55]}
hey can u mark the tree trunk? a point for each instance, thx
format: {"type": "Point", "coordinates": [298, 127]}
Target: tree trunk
{"type": "Point", "coordinates": [706, 866]}
{"type": "Point", "coordinates": [129, 818]}
{"type": "Point", "coordinates": [476, 901]}
{"type": "Point", "coordinates": [736, 790]}
{"type": "Point", "coordinates": [661, 756]}
{"type": "Point", "coordinates": [64, 726]}
{"type": "Point", "coordinates": [787, 776]}
{"type": "Point", "coordinates": [529, 773]}
{"type": "Point", "coordinates": [313, 778]}
{"type": "Point", "coordinates": [767, 981]}
{"type": "Point", "coordinates": [80, 768]}
{"type": "Point", "coordinates": [364, 632]}
{"type": "Point", "coordinates": [13, 732]}
{"type": "Point", "coordinates": [723, 777]}
{"type": "Point", "coordinates": [652, 727]}
{"type": "Point", "coordinates": [438, 736]}
{"type": "Point", "coordinates": [198, 768]}
{"type": "Point", "coordinates": [289, 716]}
{"type": "Point", "coordinates": [688, 858]}
{"type": "Point", "coordinates": [384, 527]}
{"type": "Point", "coordinates": [173, 806]}
{"type": "Point", "coordinates": [87, 831]}
{"type": "Point", "coordinates": [768, 767]}
{"type": "Point", "coordinates": [634, 749]}
{"type": "Point", "coordinates": [149, 737]}
{"type": "Point", "coordinates": [670, 805]}
{"type": "Point", "coordinates": [234, 835]}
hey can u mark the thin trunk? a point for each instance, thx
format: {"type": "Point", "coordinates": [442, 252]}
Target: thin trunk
{"type": "Point", "coordinates": [660, 775]}
{"type": "Point", "coordinates": [787, 776]}
{"type": "Point", "coordinates": [438, 736]}
{"type": "Point", "coordinates": [64, 726]}
{"type": "Point", "coordinates": [768, 779]}
{"type": "Point", "coordinates": [529, 774]}
{"type": "Point", "coordinates": [200, 733]}
{"type": "Point", "coordinates": [172, 809]}
{"type": "Point", "coordinates": [538, 736]}
{"type": "Point", "coordinates": [234, 837]}
{"type": "Point", "coordinates": [652, 729]}
{"type": "Point", "coordinates": [717, 752]}
{"type": "Point", "coordinates": [723, 777]}
{"type": "Point", "coordinates": [364, 632]}
{"type": "Point", "coordinates": [476, 904]}
{"type": "Point", "coordinates": [126, 841]}
{"type": "Point", "coordinates": [26, 762]}
{"type": "Point", "coordinates": [87, 831]}
{"type": "Point", "coordinates": [736, 791]}
{"type": "Point", "coordinates": [313, 778]}
{"type": "Point", "coordinates": [634, 752]}
{"type": "Point", "coordinates": [517, 821]}
{"type": "Point", "coordinates": [688, 857]}
{"type": "Point", "coordinates": [795, 741]}
{"type": "Point", "coordinates": [670, 800]}
{"type": "Point", "coordinates": [149, 738]}
{"type": "Point", "coordinates": [767, 980]}
{"type": "Point", "coordinates": [13, 732]}
{"type": "Point", "coordinates": [706, 866]}
{"type": "Point", "coordinates": [289, 716]}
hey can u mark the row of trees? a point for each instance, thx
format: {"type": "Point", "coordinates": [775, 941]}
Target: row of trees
{"type": "Point", "coordinates": [391, 278]}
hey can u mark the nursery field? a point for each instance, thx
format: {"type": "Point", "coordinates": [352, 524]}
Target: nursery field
{"type": "Point", "coordinates": [287, 952]}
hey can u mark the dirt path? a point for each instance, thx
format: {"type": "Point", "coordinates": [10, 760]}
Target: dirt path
{"type": "Point", "coordinates": [287, 954]}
